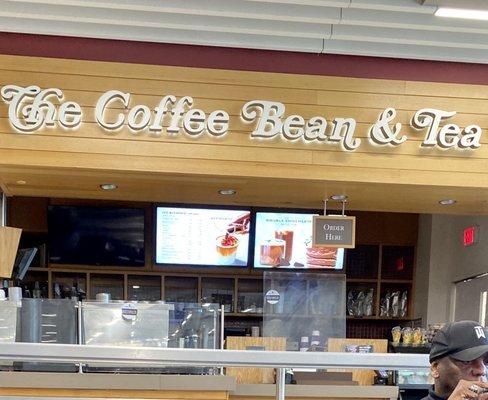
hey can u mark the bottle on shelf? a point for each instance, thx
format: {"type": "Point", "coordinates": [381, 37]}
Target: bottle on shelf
{"type": "Point", "coordinates": [304, 343]}
{"type": "Point", "coordinates": [315, 339]}
{"type": "Point", "coordinates": [36, 293]}
{"type": "Point", "coordinates": [5, 287]}
{"type": "Point", "coordinates": [57, 291]}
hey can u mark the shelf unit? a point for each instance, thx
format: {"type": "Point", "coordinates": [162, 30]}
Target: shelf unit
{"type": "Point", "coordinates": [145, 286]}
{"type": "Point", "coordinates": [375, 267]}
{"type": "Point", "coordinates": [383, 261]}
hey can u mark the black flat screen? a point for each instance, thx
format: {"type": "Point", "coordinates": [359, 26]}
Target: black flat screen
{"type": "Point", "coordinates": [96, 236]}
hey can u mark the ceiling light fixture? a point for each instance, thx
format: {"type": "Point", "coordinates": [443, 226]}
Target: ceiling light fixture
{"type": "Point", "coordinates": [447, 202]}
{"type": "Point", "coordinates": [21, 182]}
{"type": "Point", "coordinates": [461, 13]}
{"type": "Point", "coordinates": [108, 186]}
{"type": "Point", "coordinates": [338, 197]}
{"type": "Point", "coordinates": [227, 192]}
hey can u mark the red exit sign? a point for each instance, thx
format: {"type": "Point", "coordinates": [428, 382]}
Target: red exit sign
{"type": "Point", "coordinates": [470, 236]}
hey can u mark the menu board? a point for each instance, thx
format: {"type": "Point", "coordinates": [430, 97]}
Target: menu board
{"type": "Point", "coordinates": [284, 240]}
{"type": "Point", "coordinates": [199, 236]}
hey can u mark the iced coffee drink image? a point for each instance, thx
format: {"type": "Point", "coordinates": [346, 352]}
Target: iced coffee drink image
{"type": "Point", "coordinates": [287, 236]}
{"type": "Point", "coordinates": [272, 252]}
{"type": "Point", "coordinates": [226, 249]}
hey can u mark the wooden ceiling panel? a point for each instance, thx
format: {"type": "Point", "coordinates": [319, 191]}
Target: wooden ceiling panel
{"type": "Point", "coordinates": [68, 183]}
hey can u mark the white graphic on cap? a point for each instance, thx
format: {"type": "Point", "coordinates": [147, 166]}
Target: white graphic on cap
{"type": "Point", "coordinates": [480, 332]}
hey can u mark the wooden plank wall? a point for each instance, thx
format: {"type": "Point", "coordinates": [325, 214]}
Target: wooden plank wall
{"type": "Point", "coordinates": [235, 154]}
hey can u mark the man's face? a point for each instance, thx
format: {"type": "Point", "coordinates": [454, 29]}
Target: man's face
{"type": "Point", "coordinates": [449, 371]}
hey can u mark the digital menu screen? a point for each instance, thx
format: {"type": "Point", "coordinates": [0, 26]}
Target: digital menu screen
{"type": "Point", "coordinates": [284, 240]}
{"type": "Point", "coordinates": [199, 236]}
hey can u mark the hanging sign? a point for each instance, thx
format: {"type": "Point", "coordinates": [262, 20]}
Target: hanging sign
{"type": "Point", "coordinates": [334, 232]}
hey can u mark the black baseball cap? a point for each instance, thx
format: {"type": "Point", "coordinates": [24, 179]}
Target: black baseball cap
{"type": "Point", "coordinates": [463, 341]}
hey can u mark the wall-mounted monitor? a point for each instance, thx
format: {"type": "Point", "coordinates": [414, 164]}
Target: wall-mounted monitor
{"type": "Point", "coordinates": [96, 236]}
{"type": "Point", "coordinates": [202, 236]}
{"type": "Point", "coordinates": [284, 240]}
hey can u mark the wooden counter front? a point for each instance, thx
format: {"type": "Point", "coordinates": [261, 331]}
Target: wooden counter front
{"type": "Point", "coordinates": [12, 393]}
{"type": "Point", "coordinates": [45, 386]}
{"type": "Point", "coordinates": [317, 392]}
{"type": "Point", "coordinates": [108, 386]}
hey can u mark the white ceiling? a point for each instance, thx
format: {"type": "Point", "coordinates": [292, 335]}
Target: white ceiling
{"type": "Point", "coordinates": [387, 28]}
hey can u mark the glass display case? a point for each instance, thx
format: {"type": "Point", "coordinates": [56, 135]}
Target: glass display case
{"type": "Point", "coordinates": [307, 309]}
{"type": "Point", "coordinates": [150, 324]}
{"type": "Point", "coordinates": [39, 321]}
{"type": "Point", "coordinates": [194, 326]}
{"type": "Point", "coordinates": [8, 321]}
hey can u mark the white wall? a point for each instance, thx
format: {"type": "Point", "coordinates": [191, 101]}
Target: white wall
{"type": "Point", "coordinates": [442, 260]}
{"type": "Point", "coordinates": [420, 305]}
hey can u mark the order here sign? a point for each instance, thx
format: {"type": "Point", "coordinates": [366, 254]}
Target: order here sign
{"type": "Point", "coordinates": [334, 231]}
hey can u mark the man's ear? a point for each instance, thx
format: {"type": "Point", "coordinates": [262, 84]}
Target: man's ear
{"type": "Point", "coordinates": [434, 369]}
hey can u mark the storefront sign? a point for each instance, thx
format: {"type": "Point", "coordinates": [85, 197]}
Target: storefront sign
{"type": "Point", "coordinates": [334, 232]}
{"type": "Point", "coordinates": [32, 108]}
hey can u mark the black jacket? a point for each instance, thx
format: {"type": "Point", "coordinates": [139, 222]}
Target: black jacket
{"type": "Point", "coordinates": [433, 396]}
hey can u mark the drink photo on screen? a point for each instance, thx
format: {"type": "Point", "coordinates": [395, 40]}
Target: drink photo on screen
{"type": "Point", "coordinates": [284, 240]}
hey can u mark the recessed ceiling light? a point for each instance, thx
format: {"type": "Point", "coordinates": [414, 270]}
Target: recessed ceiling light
{"type": "Point", "coordinates": [338, 197]}
{"type": "Point", "coordinates": [447, 202]}
{"type": "Point", "coordinates": [461, 13]}
{"type": "Point", "coordinates": [227, 192]}
{"type": "Point", "coordinates": [21, 182]}
{"type": "Point", "coordinates": [108, 186]}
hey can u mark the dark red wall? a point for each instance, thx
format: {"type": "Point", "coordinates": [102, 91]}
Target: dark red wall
{"type": "Point", "coordinates": [241, 59]}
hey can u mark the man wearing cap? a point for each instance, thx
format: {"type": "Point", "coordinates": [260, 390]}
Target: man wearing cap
{"type": "Point", "coordinates": [458, 362]}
